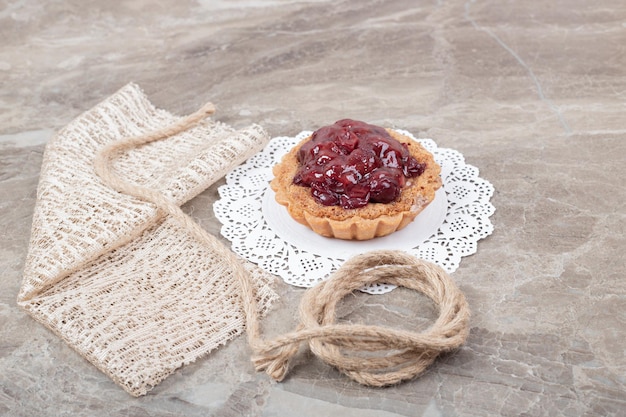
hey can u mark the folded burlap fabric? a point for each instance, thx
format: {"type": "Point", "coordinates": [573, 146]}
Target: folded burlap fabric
{"type": "Point", "coordinates": [123, 284]}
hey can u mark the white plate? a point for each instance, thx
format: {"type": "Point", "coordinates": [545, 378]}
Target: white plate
{"type": "Point", "coordinates": [424, 226]}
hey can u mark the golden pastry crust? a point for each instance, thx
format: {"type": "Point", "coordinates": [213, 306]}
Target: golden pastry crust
{"type": "Point", "coordinates": [370, 221]}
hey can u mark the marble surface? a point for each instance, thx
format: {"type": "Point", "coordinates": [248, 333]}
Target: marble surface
{"type": "Point", "coordinates": [531, 92]}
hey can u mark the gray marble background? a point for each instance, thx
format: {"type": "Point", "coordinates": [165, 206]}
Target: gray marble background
{"type": "Point", "coordinates": [531, 92]}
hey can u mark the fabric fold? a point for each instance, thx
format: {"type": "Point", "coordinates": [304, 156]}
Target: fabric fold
{"type": "Point", "coordinates": [126, 287]}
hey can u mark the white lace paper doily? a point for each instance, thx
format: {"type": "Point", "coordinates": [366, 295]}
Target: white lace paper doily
{"type": "Point", "coordinates": [262, 231]}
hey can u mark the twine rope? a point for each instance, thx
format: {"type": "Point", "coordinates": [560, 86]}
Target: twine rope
{"type": "Point", "coordinates": [394, 355]}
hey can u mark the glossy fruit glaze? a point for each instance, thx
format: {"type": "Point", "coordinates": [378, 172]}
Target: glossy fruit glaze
{"type": "Point", "coordinates": [352, 163]}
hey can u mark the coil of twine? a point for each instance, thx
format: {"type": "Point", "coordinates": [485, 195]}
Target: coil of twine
{"type": "Point", "coordinates": [400, 354]}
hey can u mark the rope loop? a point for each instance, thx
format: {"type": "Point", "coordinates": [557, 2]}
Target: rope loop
{"type": "Point", "coordinates": [399, 354]}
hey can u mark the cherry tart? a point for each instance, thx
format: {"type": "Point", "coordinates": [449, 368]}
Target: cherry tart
{"type": "Point", "coordinates": [353, 180]}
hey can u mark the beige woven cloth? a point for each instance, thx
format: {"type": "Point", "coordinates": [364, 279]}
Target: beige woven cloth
{"type": "Point", "coordinates": [128, 289]}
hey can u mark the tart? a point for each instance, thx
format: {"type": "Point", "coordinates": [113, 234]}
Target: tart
{"type": "Point", "coordinates": [356, 181]}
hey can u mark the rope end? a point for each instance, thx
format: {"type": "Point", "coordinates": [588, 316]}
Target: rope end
{"type": "Point", "coordinates": [276, 363]}
{"type": "Point", "coordinates": [207, 109]}
{"type": "Point", "coordinates": [276, 368]}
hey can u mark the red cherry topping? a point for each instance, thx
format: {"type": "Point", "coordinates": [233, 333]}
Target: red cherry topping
{"type": "Point", "coordinates": [352, 163]}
